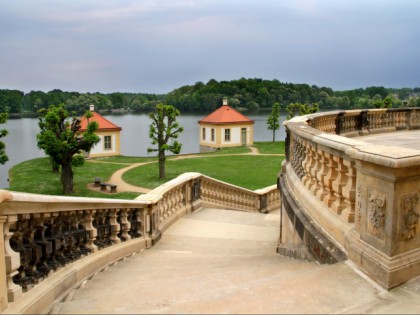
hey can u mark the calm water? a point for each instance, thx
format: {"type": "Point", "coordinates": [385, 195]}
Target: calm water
{"type": "Point", "coordinates": [21, 140]}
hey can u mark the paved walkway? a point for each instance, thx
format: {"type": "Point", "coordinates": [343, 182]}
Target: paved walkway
{"type": "Point", "coordinates": [219, 261]}
{"type": "Point", "coordinates": [116, 177]}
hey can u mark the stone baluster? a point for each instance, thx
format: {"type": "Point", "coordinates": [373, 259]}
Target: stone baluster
{"type": "Point", "coordinates": [372, 119]}
{"type": "Point", "coordinates": [29, 242]}
{"type": "Point", "coordinates": [378, 119]}
{"type": "Point", "coordinates": [99, 226]}
{"type": "Point", "coordinates": [124, 225]}
{"type": "Point", "coordinates": [315, 170]}
{"type": "Point", "coordinates": [79, 234]}
{"type": "Point", "coordinates": [57, 231]}
{"type": "Point", "coordinates": [69, 240]}
{"type": "Point", "coordinates": [163, 207]}
{"type": "Point", "coordinates": [323, 170]}
{"type": "Point", "coordinates": [91, 231]}
{"type": "Point", "coordinates": [137, 223]}
{"type": "Point", "coordinates": [25, 254]}
{"type": "Point", "coordinates": [114, 227]}
{"type": "Point", "coordinates": [82, 234]}
{"type": "Point", "coordinates": [349, 191]}
{"type": "Point", "coordinates": [301, 157]}
{"type": "Point", "coordinates": [53, 239]}
{"type": "Point", "coordinates": [12, 260]}
{"type": "Point", "coordinates": [154, 232]}
{"type": "Point", "coordinates": [401, 120]}
{"type": "Point", "coordinates": [168, 202]}
{"type": "Point", "coordinates": [40, 240]}
{"type": "Point", "coordinates": [209, 192]}
{"type": "Point", "coordinates": [341, 180]}
{"type": "Point", "coordinates": [174, 201]}
{"type": "Point", "coordinates": [307, 165]}
{"type": "Point", "coordinates": [329, 179]}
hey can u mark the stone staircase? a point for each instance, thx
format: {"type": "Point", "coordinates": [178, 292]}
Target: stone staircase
{"type": "Point", "coordinates": [219, 261]}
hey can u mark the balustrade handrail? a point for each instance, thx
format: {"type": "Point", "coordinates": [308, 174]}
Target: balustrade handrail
{"type": "Point", "coordinates": [364, 197]}
{"type": "Point", "coordinates": [43, 234]}
{"type": "Point", "coordinates": [363, 121]}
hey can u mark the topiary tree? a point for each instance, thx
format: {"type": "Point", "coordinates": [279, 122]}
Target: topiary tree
{"type": "Point", "coordinates": [61, 139]}
{"type": "Point", "coordinates": [163, 129]}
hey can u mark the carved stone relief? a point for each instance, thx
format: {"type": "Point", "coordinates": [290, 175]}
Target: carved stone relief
{"type": "Point", "coordinates": [410, 216]}
{"type": "Point", "coordinates": [376, 211]}
{"type": "Point", "coordinates": [359, 203]}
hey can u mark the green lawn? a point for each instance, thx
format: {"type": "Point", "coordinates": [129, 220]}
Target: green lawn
{"type": "Point", "coordinates": [270, 147]}
{"type": "Point", "coordinates": [252, 172]}
{"type": "Point", "coordinates": [35, 176]}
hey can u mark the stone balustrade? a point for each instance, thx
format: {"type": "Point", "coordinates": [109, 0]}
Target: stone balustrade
{"type": "Point", "coordinates": [343, 198]}
{"type": "Point", "coordinates": [51, 244]}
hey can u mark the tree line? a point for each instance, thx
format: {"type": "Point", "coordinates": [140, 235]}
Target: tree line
{"type": "Point", "coordinates": [252, 95]}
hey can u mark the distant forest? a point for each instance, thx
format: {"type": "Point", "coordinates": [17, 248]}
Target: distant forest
{"type": "Point", "coordinates": [247, 95]}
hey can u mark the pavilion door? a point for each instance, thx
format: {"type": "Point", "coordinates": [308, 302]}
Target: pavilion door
{"type": "Point", "coordinates": [243, 136]}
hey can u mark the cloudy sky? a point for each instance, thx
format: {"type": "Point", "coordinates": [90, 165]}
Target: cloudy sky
{"type": "Point", "coordinates": [155, 46]}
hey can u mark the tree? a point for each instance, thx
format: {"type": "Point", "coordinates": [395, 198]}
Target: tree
{"type": "Point", "coordinates": [273, 120]}
{"type": "Point", "coordinates": [3, 133]}
{"type": "Point", "coordinates": [61, 139]}
{"type": "Point", "coordinates": [164, 128]}
{"type": "Point", "coordinates": [301, 109]}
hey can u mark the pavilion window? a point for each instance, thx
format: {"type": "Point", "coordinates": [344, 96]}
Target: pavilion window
{"type": "Point", "coordinates": [107, 143]}
{"type": "Point", "coordinates": [227, 135]}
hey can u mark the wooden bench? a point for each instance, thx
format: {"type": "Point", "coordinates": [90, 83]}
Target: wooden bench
{"type": "Point", "coordinates": [113, 187]}
{"type": "Point", "coordinates": [97, 182]}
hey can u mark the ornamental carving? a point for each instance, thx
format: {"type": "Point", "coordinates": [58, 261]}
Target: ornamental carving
{"type": "Point", "coordinates": [359, 196]}
{"type": "Point", "coordinates": [376, 213]}
{"type": "Point", "coordinates": [410, 216]}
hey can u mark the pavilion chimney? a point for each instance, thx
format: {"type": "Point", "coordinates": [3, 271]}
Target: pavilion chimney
{"type": "Point", "coordinates": [92, 107]}
{"type": "Point", "coordinates": [225, 101]}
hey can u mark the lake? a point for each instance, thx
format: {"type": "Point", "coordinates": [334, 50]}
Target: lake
{"type": "Point", "coordinates": [21, 140]}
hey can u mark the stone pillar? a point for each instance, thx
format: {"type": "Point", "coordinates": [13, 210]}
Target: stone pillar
{"type": "Point", "coordinates": [387, 220]}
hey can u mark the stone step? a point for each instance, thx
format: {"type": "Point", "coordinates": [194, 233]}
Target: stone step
{"type": "Point", "coordinates": [220, 261]}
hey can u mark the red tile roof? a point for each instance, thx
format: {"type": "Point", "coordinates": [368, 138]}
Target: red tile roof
{"type": "Point", "coordinates": [225, 115]}
{"type": "Point", "coordinates": [103, 123]}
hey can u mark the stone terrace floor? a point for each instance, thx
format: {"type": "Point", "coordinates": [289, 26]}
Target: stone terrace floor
{"type": "Point", "coordinates": [404, 139]}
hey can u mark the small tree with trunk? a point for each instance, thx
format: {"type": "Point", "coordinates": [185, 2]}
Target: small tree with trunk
{"type": "Point", "coordinates": [164, 129]}
{"type": "Point", "coordinates": [273, 120]}
{"type": "Point", "coordinates": [3, 133]}
{"type": "Point", "coordinates": [61, 139]}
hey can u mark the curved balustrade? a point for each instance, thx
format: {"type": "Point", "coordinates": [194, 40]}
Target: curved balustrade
{"type": "Point", "coordinates": [344, 198]}
{"type": "Point", "coordinates": [51, 244]}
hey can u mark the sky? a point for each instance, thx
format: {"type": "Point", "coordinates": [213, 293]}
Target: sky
{"type": "Point", "coordinates": [156, 46]}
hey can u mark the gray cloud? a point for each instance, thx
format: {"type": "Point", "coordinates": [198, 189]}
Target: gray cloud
{"type": "Point", "coordinates": [156, 46]}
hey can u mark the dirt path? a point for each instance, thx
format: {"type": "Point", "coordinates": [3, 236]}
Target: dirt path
{"type": "Point", "coordinates": [117, 179]}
